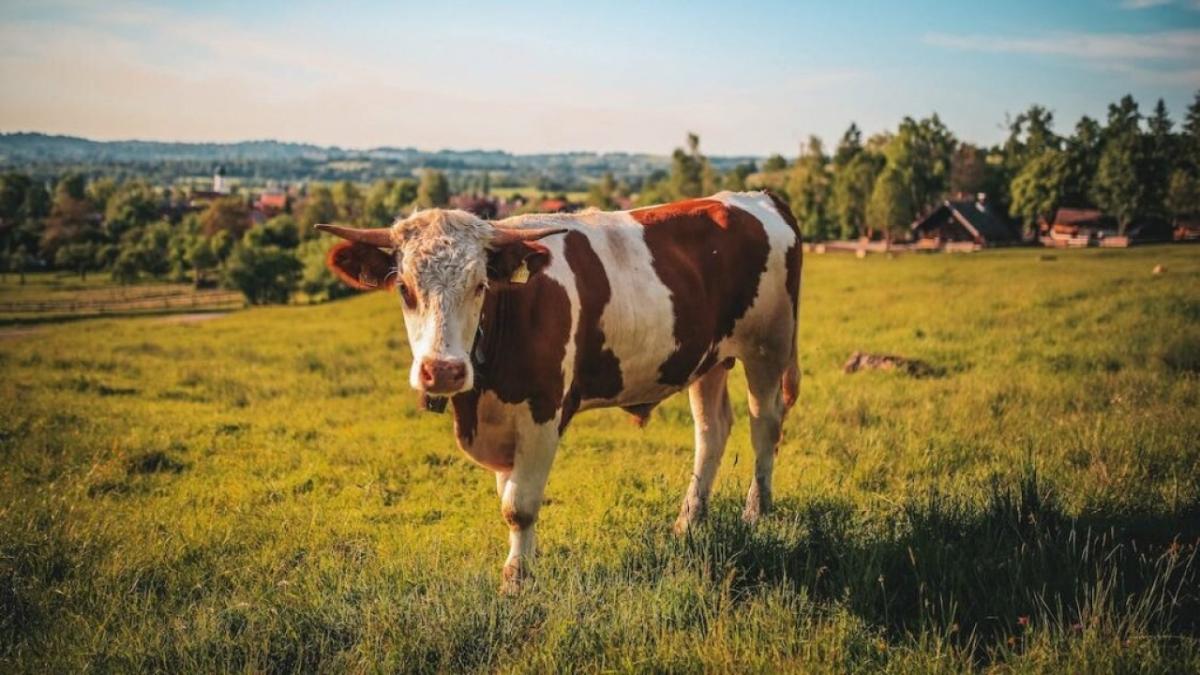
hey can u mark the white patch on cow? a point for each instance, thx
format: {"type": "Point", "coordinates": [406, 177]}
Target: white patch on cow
{"type": "Point", "coordinates": [772, 300]}
{"type": "Point", "coordinates": [638, 320]}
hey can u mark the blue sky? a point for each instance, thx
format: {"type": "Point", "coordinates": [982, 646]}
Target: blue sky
{"type": "Point", "coordinates": [748, 77]}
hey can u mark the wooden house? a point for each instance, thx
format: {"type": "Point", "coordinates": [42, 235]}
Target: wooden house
{"type": "Point", "coordinates": [963, 225]}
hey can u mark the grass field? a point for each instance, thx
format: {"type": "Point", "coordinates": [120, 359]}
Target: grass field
{"type": "Point", "coordinates": [259, 492]}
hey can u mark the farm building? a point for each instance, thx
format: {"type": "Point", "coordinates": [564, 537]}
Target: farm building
{"type": "Point", "coordinates": [1078, 228]}
{"type": "Point", "coordinates": [963, 225]}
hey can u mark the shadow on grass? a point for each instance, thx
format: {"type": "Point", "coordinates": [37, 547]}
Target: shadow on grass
{"type": "Point", "coordinates": [981, 573]}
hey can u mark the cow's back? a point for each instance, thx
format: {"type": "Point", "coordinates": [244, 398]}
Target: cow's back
{"type": "Point", "coordinates": [661, 294]}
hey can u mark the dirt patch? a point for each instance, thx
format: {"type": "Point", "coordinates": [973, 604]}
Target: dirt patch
{"type": "Point", "coordinates": [195, 317]}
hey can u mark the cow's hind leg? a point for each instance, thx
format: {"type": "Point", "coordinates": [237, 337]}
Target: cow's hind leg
{"type": "Point", "coordinates": [521, 497]}
{"type": "Point", "coordinates": [765, 379]}
{"type": "Point", "coordinates": [712, 416]}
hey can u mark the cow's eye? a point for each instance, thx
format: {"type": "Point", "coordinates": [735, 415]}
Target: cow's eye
{"type": "Point", "coordinates": [406, 294]}
{"type": "Point", "coordinates": [480, 288]}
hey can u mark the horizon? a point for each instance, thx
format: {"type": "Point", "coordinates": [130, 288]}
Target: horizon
{"type": "Point", "coordinates": [480, 78]}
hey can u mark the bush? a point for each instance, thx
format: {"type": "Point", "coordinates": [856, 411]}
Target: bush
{"type": "Point", "coordinates": [264, 274]}
{"type": "Point", "coordinates": [317, 281]}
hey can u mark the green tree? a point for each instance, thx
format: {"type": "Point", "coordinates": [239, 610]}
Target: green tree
{"type": "Point", "coordinates": [1082, 159]}
{"type": "Point", "coordinates": [1183, 195]}
{"type": "Point", "coordinates": [735, 178]}
{"type": "Point", "coordinates": [853, 184]}
{"type": "Point", "coordinates": [434, 190]}
{"type": "Point", "coordinates": [316, 281]}
{"type": "Point", "coordinates": [348, 201]}
{"type": "Point", "coordinates": [1037, 191]}
{"type": "Point", "coordinates": [318, 207]}
{"type": "Point", "coordinates": [603, 193]}
{"type": "Point", "coordinates": [265, 274]}
{"type": "Point", "coordinates": [775, 162]}
{"type": "Point", "coordinates": [809, 189]}
{"type": "Point", "coordinates": [1120, 184]}
{"type": "Point", "coordinates": [202, 259]}
{"type": "Point", "coordinates": [920, 154]}
{"type": "Point", "coordinates": [129, 206]}
{"type": "Point", "coordinates": [890, 209]}
{"type": "Point", "coordinates": [386, 200]}
{"type": "Point", "coordinates": [1159, 159]}
{"type": "Point", "coordinates": [78, 257]}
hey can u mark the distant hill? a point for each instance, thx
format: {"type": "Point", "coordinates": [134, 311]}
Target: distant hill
{"type": "Point", "coordinates": [44, 154]}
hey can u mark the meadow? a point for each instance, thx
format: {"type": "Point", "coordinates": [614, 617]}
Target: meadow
{"type": "Point", "coordinates": [259, 492]}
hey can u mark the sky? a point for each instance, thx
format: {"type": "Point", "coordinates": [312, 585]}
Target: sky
{"type": "Point", "coordinates": [748, 77]}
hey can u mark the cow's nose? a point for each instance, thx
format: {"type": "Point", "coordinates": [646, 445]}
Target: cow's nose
{"type": "Point", "coordinates": [443, 376]}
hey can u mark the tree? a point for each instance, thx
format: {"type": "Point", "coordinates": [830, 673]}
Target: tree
{"type": "Point", "coordinates": [735, 178]}
{"type": "Point", "coordinates": [1037, 191]}
{"type": "Point", "coordinates": [968, 170]}
{"type": "Point", "coordinates": [129, 206]}
{"type": "Point", "coordinates": [70, 219]}
{"type": "Point", "coordinates": [920, 154]}
{"type": "Point", "coordinates": [1159, 160]}
{"type": "Point", "coordinates": [265, 274]}
{"type": "Point", "coordinates": [348, 200]}
{"type": "Point", "coordinates": [890, 208]}
{"type": "Point", "coordinates": [227, 214]}
{"type": "Point", "coordinates": [318, 207]}
{"type": "Point", "coordinates": [1120, 184]}
{"type": "Point", "coordinates": [809, 189]}
{"type": "Point", "coordinates": [603, 193]}
{"type": "Point", "coordinates": [386, 200]}
{"type": "Point", "coordinates": [202, 259]}
{"type": "Point", "coordinates": [282, 231]}
{"type": "Point", "coordinates": [1081, 160]}
{"type": "Point", "coordinates": [852, 187]}
{"type": "Point", "coordinates": [691, 174]}
{"type": "Point", "coordinates": [775, 162]}
{"type": "Point", "coordinates": [316, 280]}
{"type": "Point", "coordinates": [78, 257]}
{"type": "Point", "coordinates": [1183, 195]}
{"type": "Point", "coordinates": [434, 190]}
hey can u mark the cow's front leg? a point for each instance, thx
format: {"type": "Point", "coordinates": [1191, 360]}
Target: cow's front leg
{"type": "Point", "coordinates": [521, 497]}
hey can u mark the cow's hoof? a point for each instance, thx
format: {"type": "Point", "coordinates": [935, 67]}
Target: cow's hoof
{"type": "Point", "coordinates": [754, 513]}
{"type": "Point", "coordinates": [514, 578]}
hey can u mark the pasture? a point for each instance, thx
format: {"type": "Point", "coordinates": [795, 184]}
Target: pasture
{"type": "Point", "coordinates": [259, 492]}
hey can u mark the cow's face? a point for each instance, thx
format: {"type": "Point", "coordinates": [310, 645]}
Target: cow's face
{"type": "Point", "coordinates": [440, 264]}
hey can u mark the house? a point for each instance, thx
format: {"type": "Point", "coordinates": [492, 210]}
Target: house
{"type": "Point", "coordinates": [272, 202]}
{"type": "Point", "coordinates": [1187, 228]}
{"type": "Point", "coordinates": [557, 205]}
{"type": "Point", "coordinates": [963, 225]}
{"type": "Point", "coordinates": [1079, 228]}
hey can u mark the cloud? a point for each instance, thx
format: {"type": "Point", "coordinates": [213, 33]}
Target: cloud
{"type": "Point", "coordinates": [1151, 4]}
{"type": "Point", "coordinates": [1165, 57]}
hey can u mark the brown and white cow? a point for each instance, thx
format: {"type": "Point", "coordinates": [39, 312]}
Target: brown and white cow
{"type": "Point", "coordinates": [526, 321]}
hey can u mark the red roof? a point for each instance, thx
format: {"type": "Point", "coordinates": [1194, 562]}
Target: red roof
{"type": "Point", "coordinates": [554, 205]}
{"type": "Point", "coordinates": [1082, 217]}
{"type": "Point", "coordinates": [273, 200]}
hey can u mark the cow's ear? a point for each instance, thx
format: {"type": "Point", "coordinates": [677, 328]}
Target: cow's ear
{"type": "Point", "coordinates": [504, 261]}
{"type": "Point", "coordinates": [362, 266]}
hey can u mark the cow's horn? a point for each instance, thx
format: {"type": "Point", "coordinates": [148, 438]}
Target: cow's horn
{"type": "Point", "coordinates": [375, 236]}
{"type": "Point", "coordinates": [512, 235]}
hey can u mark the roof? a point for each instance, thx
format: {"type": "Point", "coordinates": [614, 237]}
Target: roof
{"type": "Point", "coordinates": [977, 217]}
{"type": "Point", "coordinates": [273, 200]}
{"type": "Point", "coordinates": [1083, 218]}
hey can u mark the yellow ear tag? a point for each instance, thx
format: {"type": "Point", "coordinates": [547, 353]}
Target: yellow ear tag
{"type": "Point", "coordinates": [521, 274]}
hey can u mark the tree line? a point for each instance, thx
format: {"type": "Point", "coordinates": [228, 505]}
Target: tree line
{"type": "Point", "coordinates": [1130, 166]}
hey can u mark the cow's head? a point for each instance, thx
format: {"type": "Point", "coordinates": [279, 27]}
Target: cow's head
{"type": "Point", "coordinates": [441, 263]}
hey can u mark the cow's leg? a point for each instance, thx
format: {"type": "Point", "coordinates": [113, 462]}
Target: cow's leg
{"type": "Point", "coordinates": [764, 378]}
{"type": "Point", "coordinates": [712, 417]}
{"type": "Point", "coordinates": [521, 497]}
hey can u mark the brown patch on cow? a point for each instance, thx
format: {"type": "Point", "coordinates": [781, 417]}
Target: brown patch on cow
{"type": "Point", "coordinates": [640, 412]}
{"type": "Point", "coordinates": [597, 371]}
{"type": "Point", "coordinates": [525, 332]}
{"type": "Point", "coordinates": [711, 257]}
{"type": "Point", "coordinates": [516, 519]}
{"type": "Point", "coordinates": [361, 266]}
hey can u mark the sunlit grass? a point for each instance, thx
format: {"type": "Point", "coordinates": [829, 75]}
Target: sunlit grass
{"type": "Point", "coordinates": [260, 492]}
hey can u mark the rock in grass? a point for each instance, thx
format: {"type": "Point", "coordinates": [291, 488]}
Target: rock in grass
{"type": "Point", "coordinates": [866, 361]}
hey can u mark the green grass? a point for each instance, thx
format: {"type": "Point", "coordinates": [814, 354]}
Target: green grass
{"type": "Point", "coordinates": [259, 492]}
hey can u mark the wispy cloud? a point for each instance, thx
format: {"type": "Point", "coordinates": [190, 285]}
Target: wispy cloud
{"type": "Point", "coordinates": [1150, 4]}
{"type": "Point", "coordinates": [1165, 57]}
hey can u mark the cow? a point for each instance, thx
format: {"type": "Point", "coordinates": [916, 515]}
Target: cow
{"type": "Point", "coordinates": [524, 322]}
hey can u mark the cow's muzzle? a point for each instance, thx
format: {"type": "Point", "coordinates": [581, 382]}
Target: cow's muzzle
{"type": "Point", "coordinates": [442, 376]}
